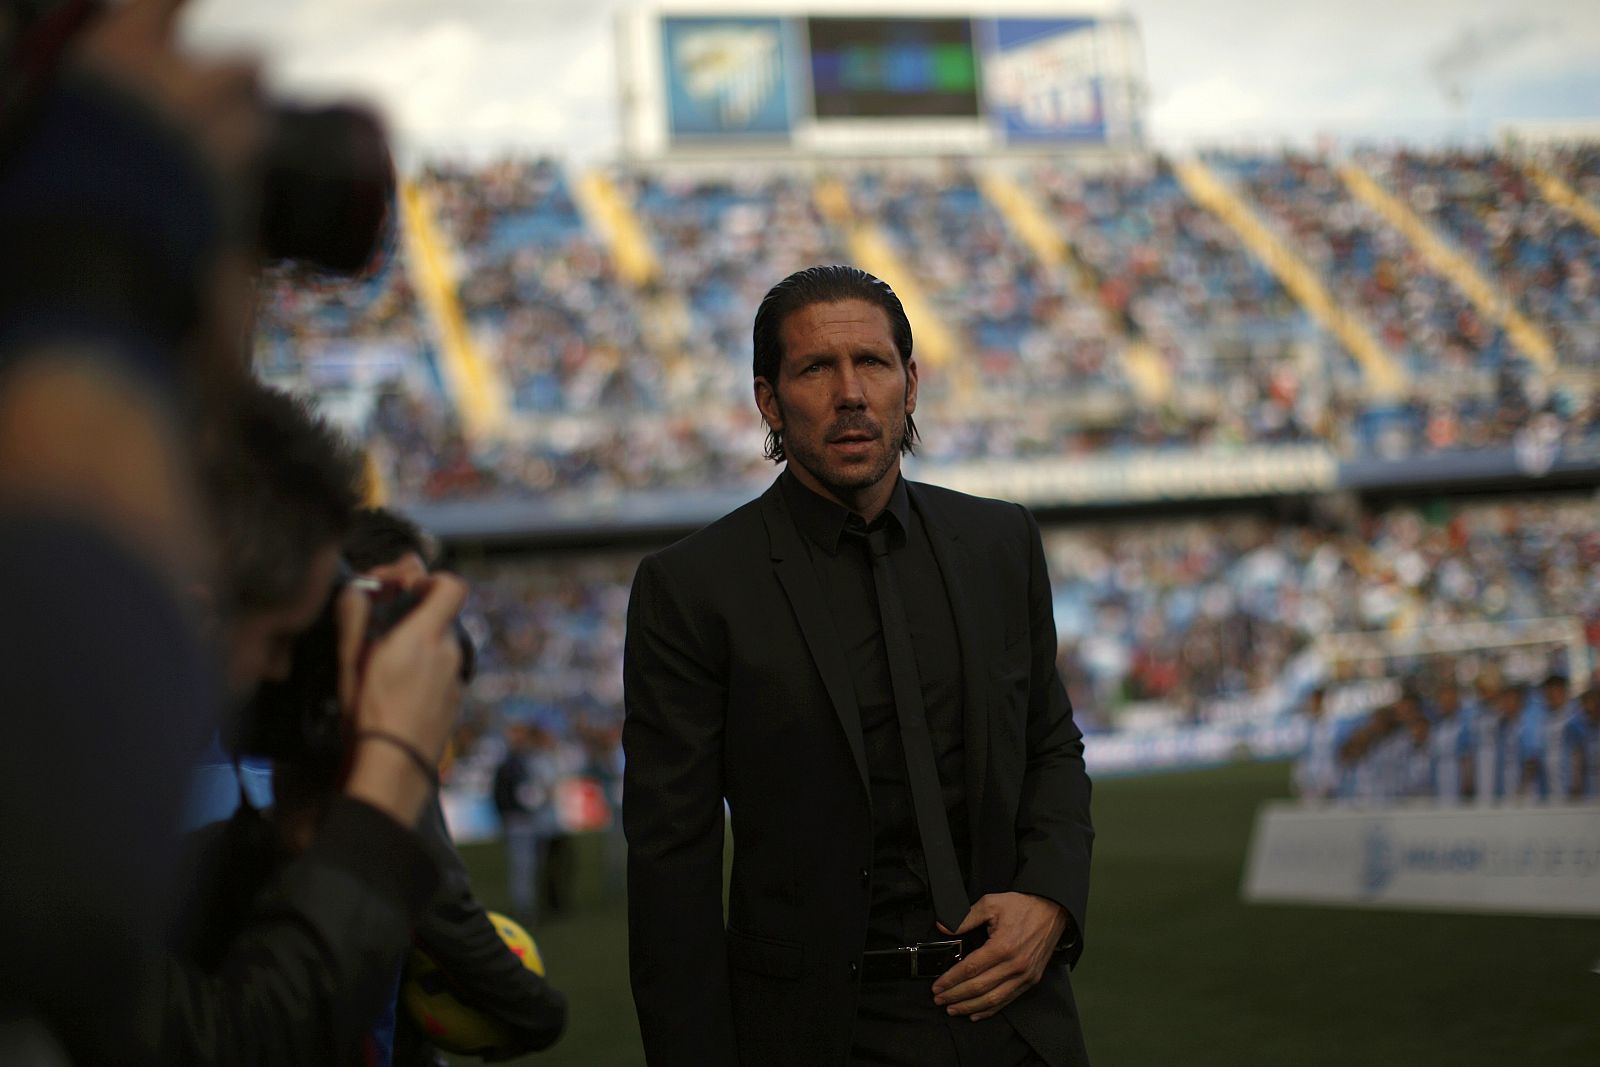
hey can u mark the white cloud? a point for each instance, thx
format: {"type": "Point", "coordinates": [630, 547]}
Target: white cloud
{"type": "Point", "coordinates": [540, 75]}
{"type": "Point", "coordinates": [1256, 70]}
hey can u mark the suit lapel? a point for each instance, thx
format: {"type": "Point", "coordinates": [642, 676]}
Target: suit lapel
{"type": "Point", "coordinates": [793, 565]}
{"type": "Point", "coordinates": [959, 567]}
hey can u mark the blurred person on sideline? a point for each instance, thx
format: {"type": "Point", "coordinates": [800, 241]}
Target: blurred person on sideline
{"type": "Point", "coordinates": [772, 665]}
{"type": "Point", "coordinates": [1451, 739]}
{"type": "Point", "coordinates": [603, 743]}
{"type": "Point", "coordinates": [1418, 773]}
{"type": "Point", "coordinates": [1480, 711]}
{"type": "Point", "coordinates": [1316, 772]}
{"type": "Point", "coordinates": [1407, 757]}
{"type": "Point", "coordinates": [1580, 743]}
{"type": "Point", "coordinates": [524, 795]}
{"type": "Point", "coordinates": [1551, 710]}
{"type": "Point", "coordinates": [1367, 755]}
{"type": "Point", "coordinates": [1510, 762]}
{"type": "Point", "coordinates": [454, 930]}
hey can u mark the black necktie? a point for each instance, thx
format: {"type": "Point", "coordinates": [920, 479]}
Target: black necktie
{"type": "Point", "coordinates": [950, 901]}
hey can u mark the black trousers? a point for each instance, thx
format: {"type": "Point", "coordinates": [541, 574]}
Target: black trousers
{"type": "Point", "coordinates": [899, 1025]}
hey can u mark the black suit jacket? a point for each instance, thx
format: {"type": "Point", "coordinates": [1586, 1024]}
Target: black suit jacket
{"type": "Point", "coordinates": [737, 689]}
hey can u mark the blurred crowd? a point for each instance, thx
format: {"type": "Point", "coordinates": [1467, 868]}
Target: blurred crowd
{"type": "Point", "coordinates": [1417, 314]}
{"type": "Point", "coordinates": [1492, 209]}
{"type": "Point", "coordinates": [615, 384]}
{"type": "Point", "coordinates": [1185, 622]}
{"type": "Point", "coordinates": [1200, 614]}
{"type": "Point", "coordinates": [721, 242]}
{"type": "Point", "coordinates": [1577, 165]}
{"type": "Point", "coordinates": [1216, 317]}
{"type": "Point", "coordinates": [540, 293]}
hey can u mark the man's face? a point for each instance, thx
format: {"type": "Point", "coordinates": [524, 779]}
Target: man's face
{"type": "Point", "coordinates": [841, 400]}
{"type": "Point", "coordinates": [260, 643]}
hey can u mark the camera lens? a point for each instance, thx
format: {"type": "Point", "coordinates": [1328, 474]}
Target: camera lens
{"type": "Point", "coordinates": [328, 187]}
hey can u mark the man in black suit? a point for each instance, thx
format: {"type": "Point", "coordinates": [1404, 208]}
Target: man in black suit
{"type": "Point", "coordinates": [863, 668]}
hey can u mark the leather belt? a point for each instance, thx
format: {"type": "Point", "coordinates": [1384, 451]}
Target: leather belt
{"type": "Point", "coordinates": [926, 959]}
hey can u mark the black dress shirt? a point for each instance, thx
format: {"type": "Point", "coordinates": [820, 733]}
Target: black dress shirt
{"type": "Point", "coordinates": [901, 909]}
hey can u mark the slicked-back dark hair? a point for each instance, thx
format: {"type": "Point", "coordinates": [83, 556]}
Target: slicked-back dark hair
{"type": "Point", "coordinates": [823, 285]}
{"type": "Point", "coordinates": [378, 536]}
{"type": "Point", "coordinates": [280, 485]}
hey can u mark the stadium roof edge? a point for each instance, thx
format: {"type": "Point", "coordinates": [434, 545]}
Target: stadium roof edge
{"type": "Point", "coordinates": [1063, 491]}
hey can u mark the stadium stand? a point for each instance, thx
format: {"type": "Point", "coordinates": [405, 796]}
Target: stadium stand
{"type": "Point", "coordinates": [1417, 312]}
{"type": "Point", "coordinates": [541, 293]}
{"type": "Point", "coordinates": [1243, 300]}
{"type": "Point", "coordinates": [1046, 279]}
{"type": "Point", "coordinates": [1182, 277]}
{"type": "Point", "coordinates": [1541, 254]}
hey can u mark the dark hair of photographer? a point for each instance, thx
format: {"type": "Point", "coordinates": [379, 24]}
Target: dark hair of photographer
{"type": "Point", "coordinates": [281, 485]}
{"type": "Point", "coordinates": [378, 537]}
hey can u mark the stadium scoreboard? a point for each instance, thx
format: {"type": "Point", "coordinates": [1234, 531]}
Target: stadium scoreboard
{"type": "Point", "coordinates": [892, 68]}
{"type": "Point", "coordinates": [837, 82]}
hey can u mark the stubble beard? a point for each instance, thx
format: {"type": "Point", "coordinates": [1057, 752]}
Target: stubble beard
{"type": "Point", "coordinates": [845, 482]}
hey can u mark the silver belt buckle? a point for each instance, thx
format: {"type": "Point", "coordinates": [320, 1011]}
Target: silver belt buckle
{"type": "Point", "coordinates": [953, 945]}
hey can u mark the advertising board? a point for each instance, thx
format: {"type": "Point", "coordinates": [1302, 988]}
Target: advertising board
{"type": "Point", "coordinates": [1042, 79]}
{"type": "Point", "coordinates": [1519, 860]}
{"type": "Point", "coordinates": [726, 77]}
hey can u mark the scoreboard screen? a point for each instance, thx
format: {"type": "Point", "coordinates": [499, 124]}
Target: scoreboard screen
{"type": "Point", "coordinates": [893, 68]}
{"type": "Point", "coordinates": [842, 83]}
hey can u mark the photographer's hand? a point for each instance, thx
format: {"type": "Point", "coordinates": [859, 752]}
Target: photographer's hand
{"type": "Point", "coordinates": [407, 688]}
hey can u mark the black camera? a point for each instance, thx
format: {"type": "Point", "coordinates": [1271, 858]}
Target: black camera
{"type": "Point", "coordinates": [327, 177]}
{"type": "Point", "coordinates": [298, 720]}
{"type": "Point", "coordinates": [328, 187]}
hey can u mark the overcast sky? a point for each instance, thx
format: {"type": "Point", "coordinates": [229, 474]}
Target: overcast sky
{"type": "Point", "coordinates": [487, 75]}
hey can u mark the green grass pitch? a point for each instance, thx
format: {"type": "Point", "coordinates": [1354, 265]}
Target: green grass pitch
{"type": "Point", "coordinates": [1178, 971]}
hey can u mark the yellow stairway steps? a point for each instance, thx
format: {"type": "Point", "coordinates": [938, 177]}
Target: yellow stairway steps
{"type": "Point", "coordinates": [1565, 197]}
{"type": "Point", "coordinates": [1026, 217]}
{"type": "Point", "coordinates": [607, 213]}
{"type": "Point", "coordinates": [1492, 302]}
{"type": "Point", "coordinates": [474, 385]}
{"type": "Point", "coordinates": [663, 311]}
